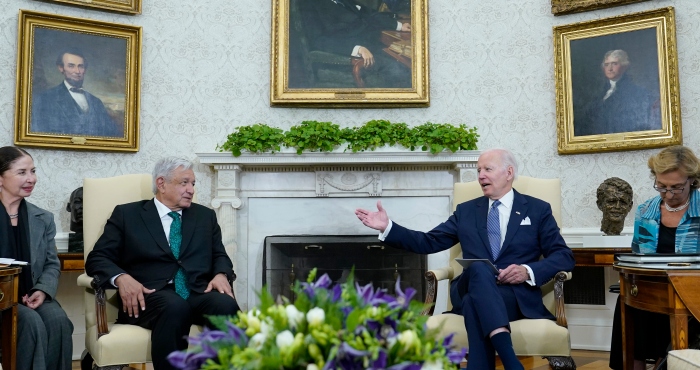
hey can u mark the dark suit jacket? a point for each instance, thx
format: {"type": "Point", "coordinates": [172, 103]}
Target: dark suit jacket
{"type": "Point", "coordinates": [338, 28]}
{"type": "Point", "coordinates": [630, 108]}
{"type": "Point", "coordinates": [55, 111]}
{"type": "Point", "coordinates": [133, 242]}
{"type": "Point", "coordinates": [524, 244]}
{"type": "Point", "coordinates": [46, 268]}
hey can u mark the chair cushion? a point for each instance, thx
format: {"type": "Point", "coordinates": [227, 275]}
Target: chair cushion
{"type": "Point", "coordinates": [684, 359]}
{"type": "Point", "coordinates": [544, 337]}
{"type": "Point", "coordinates": [125, 344]}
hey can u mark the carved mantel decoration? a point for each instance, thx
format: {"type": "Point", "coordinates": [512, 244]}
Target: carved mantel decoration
{"type": "Point", "coordinates": [294, 185]}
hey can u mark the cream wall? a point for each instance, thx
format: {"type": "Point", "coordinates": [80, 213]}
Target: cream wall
{"type": "Point", "coordinates": [205, 70]}
{"type": "Point", "coordinates": [206, 67]}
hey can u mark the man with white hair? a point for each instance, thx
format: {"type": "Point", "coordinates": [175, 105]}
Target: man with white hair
{"type": "Point", "coordinates": [507, 228]}
{"type": "Point", "coordinates": [166, 257]}
{"type": "Point", "coordinates": [620, 105]}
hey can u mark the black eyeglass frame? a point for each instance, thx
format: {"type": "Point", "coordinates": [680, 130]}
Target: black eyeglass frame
{"type": "Point", "coordinates": [672, 190]}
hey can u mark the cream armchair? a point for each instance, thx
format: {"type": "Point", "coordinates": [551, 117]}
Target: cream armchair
{"type": "Point", "coordinates": [530, 337]}
{"type": "Point", "coordinates": [111, 346]}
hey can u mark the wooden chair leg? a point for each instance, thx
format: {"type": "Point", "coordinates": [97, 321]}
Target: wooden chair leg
{"type": "Point", "coordinates": [357, 66]}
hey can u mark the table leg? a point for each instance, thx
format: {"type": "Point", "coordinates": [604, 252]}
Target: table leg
{"type": "Point", "coordinates": [679, 331]}
{"type": "Point", "coordinates": [627, 331]}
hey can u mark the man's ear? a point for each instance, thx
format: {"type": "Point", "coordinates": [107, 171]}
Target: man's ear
{"type": "Point", "coordinates": [160, 183]}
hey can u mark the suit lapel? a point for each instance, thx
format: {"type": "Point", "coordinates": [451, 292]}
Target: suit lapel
{"type": "Point", "coordinates": [36, 230]}
{"type": "Point", "coordinates": [149, 214]}
{"type": "Point", "coordinates": [189, 219]}
{"type": "Point", "coordinates": [482, 210]}
{"type": "Point", "coordinates": [517, 214]}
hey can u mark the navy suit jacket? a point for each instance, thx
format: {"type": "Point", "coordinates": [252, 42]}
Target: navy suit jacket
{"type": "Point", "coordinates": [524, 244]}
{"type": "Point", "coordinates": [55, 111]}
{"type": "Point", "coordinates": [133, 242]}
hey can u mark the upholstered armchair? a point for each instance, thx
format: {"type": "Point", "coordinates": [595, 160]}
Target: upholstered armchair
{"type": "Point", "coordinates": [111, 346]}
{"type": "Point", "coordinates": [530, 337]}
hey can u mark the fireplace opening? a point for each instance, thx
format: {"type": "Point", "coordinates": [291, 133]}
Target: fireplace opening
{"type": "Point", "coordinates": [287, 258]}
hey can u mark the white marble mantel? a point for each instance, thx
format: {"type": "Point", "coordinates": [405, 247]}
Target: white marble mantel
{"type": "Point", "coordinates": [258, 195]}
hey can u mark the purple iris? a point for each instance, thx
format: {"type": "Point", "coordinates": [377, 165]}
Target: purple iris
{"type": "Point", "coordinates": [402, 300]}
{"type": "Point", "coordinates": [310, 288]}
{"type": "Point", "coordinates": [405, 366]}
{"type": "Point", "coordinates": [372, 297]}
{"type": "Point", "coordinates": [191, 360]}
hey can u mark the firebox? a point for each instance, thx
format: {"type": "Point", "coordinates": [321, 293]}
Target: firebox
{"type": "Point", "coordinates": [287, 258]}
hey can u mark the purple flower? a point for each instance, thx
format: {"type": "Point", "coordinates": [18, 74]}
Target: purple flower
{"type": "Point", "coordinates": [372, 297]}
{"type": "Point", "coordinates": [191, 360]}
{"type": "Point", "coordinates": [405, 366]}
{"type": "Point", "coordinates": [456, 356]}
{"type": "Point", "coordinates": [310, 288]}
{"type": "Point", "coordinates": [380, 362]}
{"type": "Point", "coordinates": [336, 293]}
{"type": "Point", "coordinates": [402, 299]}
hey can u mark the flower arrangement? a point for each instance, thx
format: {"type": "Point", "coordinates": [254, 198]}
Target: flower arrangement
{"type": "Point", "coordinates": [346, 326]}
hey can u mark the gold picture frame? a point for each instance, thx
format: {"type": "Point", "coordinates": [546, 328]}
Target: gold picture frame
{"type": "Point", "coordinates": [641, 109]}
{"type": "Point", "coordinates": [60, 102]}
{"type": "Point", "coordinates": [314, 67]}
{"type": "Point", "coordinates": [561, 7]}
{"type": "Point", "coordinates": [121, 6]}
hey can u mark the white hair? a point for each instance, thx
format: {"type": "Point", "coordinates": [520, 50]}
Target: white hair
{"type": "Point", "coordinates": [507, 159]}
{"type": "Point", "coordinates": [618, 54]}
{"type": "Point", "coordinates": [166, 166]}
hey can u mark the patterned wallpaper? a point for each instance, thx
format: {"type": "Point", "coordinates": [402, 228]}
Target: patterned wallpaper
{"type": "Point", "coordinates": [205, 70]}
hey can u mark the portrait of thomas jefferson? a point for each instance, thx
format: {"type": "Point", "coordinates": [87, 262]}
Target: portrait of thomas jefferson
{"type": "Point", "coordinates": [78, 85]}
{"type": "Point", "coordinates": [619, 104]}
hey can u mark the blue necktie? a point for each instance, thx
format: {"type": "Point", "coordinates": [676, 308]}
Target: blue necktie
{"type": "Point", "coordinates": [175, 242]}
{"type": "Point", "coordinates": [493, 226]}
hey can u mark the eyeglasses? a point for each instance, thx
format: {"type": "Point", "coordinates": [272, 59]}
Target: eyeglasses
{"type": "Point", "coordinates": [672, 190]}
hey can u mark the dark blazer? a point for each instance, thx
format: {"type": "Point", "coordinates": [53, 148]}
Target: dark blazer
{"type": "Point", "coordinates": [55, 111]}
{"type": "Point", "coordinates": [524, 244]}
{"type": "Point", "coordinates": [133, 242]}
{"type": "Point", "coordinates": [46, 268]}
{"type": "Point", "coordinates": [339, 27]}
{"type": "Point", "coordinates": [630, 108]}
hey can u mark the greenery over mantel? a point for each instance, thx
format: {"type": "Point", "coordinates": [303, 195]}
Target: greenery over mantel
{"type": "Point", "coordinates": [326, 136]}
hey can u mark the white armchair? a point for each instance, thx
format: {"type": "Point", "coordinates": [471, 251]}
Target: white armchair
{"type": "Point", "coordinates": [530, 337]}
{"type": "Point", "coordinates": [109, 345]}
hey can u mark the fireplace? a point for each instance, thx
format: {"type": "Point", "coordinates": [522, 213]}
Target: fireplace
{"type": "Point", "coordinates": [261, 195]}
{"type": "Point", "coordinates": [287, 258]}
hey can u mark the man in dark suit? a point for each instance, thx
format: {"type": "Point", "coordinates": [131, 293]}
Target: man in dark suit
{"type": "Point", "coordinates": [67, 108]}
{"type": "Point", "coordinates": [620, 105]}
{"type": "Point", "coordinates": [166, 257]}
{"type": "Point", "coordinates": [347, 28]}
{"type": "Point", "coordinates": [512, 231]}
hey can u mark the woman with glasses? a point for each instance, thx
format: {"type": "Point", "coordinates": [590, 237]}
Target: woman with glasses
{"type": "Point", "coordinates": [667, 223]}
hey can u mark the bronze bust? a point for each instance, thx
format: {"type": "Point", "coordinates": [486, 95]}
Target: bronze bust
{"type": "Point", "coordinates": [614, 198]}
{"type": "Point", "coordinates": [75, 207]}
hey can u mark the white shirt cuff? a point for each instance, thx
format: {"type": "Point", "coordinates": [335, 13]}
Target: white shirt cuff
{"type": "Point", "coordinates": [399, 26]}
{"type": "Point", "coordinates": [114, 279]}
{"type": "Point", "coordinates": [530, 281]}
{"type": "Point", "coordinates": [356, 51]}
{"type": "Point", "coordinates": [383, 235]}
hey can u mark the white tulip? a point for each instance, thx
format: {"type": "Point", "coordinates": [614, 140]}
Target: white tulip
{"type": "Point", "coordinates": [315, 316]}
{"type": "Point", "coordinates": [407, 338]}
{"type": "Point", "coordinates": [284, 339]}
{"type": "Point", "coordinates": [256, 341]}
{"type": "Point", "coordinates": [293, 315]}
{"type": "Point", "coordinates": [432, 365]}
{"type": "Point", "coordinates": [311, 367]}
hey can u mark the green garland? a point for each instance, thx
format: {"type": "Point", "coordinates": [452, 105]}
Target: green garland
{"type": "Point", "coordinates": [327, 136]}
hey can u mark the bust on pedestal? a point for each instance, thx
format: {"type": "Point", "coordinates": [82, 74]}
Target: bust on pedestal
{"type": "Point", "coordinates": [75, 207]}
{"type": "Point", "coordinates": [614, 198]}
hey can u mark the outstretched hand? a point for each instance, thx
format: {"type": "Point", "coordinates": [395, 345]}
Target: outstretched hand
{"type": "Point", "coordinates": [376, 220]}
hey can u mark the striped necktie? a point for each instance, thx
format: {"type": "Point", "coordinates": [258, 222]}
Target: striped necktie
{"type": "Point", "coordinates": [493, 226]}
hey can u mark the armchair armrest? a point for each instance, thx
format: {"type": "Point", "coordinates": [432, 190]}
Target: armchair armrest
{"type": "Point", "coordinates": [88, 283]}
{"type": "Point", "coordinates": [560, 313]}
{"type": "Point", "coordinates": [432, 277]}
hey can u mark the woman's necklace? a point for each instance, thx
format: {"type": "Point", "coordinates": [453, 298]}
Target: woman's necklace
{"type": "Point", "coordinates": [670, 209]}
{"type": "Point", "coordinates": [14, 216]}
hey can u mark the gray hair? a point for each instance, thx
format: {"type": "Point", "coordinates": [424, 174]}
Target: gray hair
{"type": "Point", "coordinates": [165, 166]}
{"type": "Point", "coordinates": [507, 158]}
{"type": "Point", "coordinates": [618, 54]}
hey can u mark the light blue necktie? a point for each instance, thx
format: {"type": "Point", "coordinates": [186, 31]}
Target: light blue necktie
{"type": "Point", "coordinates": [493, 226]}
{"type": "Point", "coordinates": [175, 242]}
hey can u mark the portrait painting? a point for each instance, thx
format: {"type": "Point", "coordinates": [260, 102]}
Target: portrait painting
{"type": "Point", "coordinates": [617, 83]}
{"type": "Point", "coordinates": [78, 83]}
{"type": "Point", "coordinates": [349, 53]}
{"type": "Point", "coordinates": [122, 6]}
{"type": "Point", "coordinates": [560, 7]}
